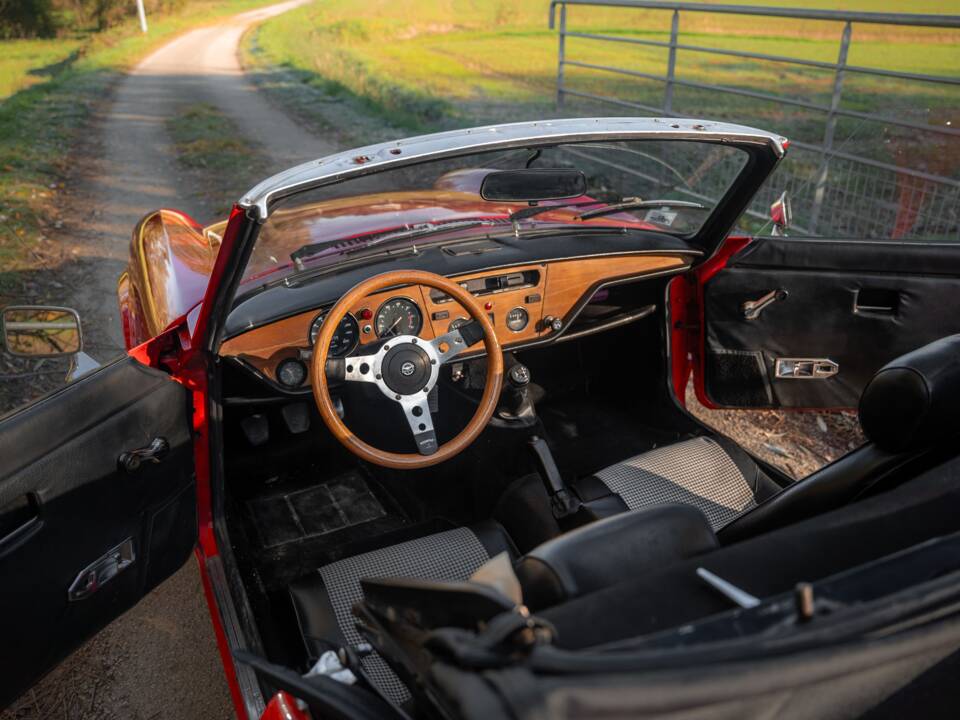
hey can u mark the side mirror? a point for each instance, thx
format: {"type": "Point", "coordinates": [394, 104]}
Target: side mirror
{"type": "Point", "coordinates": [39, 331]}
{"type": "Point", "coordinates": [781, 214]}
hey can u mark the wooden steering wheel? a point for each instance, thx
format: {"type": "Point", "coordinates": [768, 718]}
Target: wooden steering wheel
{"type": "Point", "coordinates": [406, 369]}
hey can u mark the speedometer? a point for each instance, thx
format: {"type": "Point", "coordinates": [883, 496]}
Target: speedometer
{"type": "Point", "coordinates": [398, 316]}
{"type": "Point", "coordinates": [344, 340]}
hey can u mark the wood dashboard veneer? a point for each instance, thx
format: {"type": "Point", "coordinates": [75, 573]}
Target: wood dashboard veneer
{"type": "Point", "coordinates": [562, 286]}
{"type": "Point", "coordinates": [569, 280]}
{"type": "Point", "coordinates": [501, 303]}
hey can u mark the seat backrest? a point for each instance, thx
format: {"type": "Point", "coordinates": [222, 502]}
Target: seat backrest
{"type": "Point", "coordinates": [910, 407]}
{"type": "Point", "coordinates": [609, 551]}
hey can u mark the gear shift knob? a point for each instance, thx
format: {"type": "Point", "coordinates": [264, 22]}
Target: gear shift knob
{"type": "Point", "coordinates": [519, 376]}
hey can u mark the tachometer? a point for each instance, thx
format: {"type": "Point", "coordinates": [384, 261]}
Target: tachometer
{"type": "Point", "coordinates": [344, 340]}
{"type": "Point", "coordinates": [398, 316]}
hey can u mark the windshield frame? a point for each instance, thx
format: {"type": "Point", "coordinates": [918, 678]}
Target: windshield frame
{"type": "Point", "coordinates": [762, 151]}
{"type": "Point", "coordinates": [261, 199]}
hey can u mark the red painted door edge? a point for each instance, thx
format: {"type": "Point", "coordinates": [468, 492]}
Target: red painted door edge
{"type": "Point", "coordinates": [688, 332]}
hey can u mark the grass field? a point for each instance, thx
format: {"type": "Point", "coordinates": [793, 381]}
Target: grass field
{"type": "Point", "coordinates": [424, 63]}
{"type": "Point", "coordinates": [47, 91]}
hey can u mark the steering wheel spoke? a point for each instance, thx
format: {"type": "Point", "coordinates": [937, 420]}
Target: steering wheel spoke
{"type": "Point", "coordinates": [451, 344]}
{"type": "Point", "coordinates": [360, 368]}
{"type": "Point", "coordinates": [416, 410]}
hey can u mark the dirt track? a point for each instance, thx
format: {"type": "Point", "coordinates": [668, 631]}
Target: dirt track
{"type": "Point", "coordinates": [130, 167]}
{"type": "Point", "coordinates": [160, 659]}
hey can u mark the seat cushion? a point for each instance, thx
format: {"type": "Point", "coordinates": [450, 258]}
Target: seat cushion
{"type": "Point", "coordinates": [323, 601]}
{"type": "Point", "coordinates": [711, 474]}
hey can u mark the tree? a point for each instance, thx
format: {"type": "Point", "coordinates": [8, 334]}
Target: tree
{"type": "Point", "coordinates": [26, 18]}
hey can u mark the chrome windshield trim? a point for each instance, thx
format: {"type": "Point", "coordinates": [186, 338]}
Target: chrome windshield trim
{"type": "Point", "coordinates": [398, 153]}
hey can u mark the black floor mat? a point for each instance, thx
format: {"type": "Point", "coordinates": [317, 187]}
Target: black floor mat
{"type": "Point", "coordinates": [340, 503]}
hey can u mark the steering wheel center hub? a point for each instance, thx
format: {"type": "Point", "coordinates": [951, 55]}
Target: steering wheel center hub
{"type": "Point", "coordinates": [406, 369]}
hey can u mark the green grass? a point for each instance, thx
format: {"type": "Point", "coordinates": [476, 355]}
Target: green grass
{"type": "Point", "coordinates": [48, 90]}
{"type": "Point", "coordinates": [29, 62]}
{"type": "Point", "coordinates": [427, 64]}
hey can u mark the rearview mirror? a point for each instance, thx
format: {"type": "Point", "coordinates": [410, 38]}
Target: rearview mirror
{"type": "Point", "coordinates": [533, 185]}
{"type": "Point", "coordinates": [39, 331]}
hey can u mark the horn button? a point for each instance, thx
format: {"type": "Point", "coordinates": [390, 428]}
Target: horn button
{"type": "Point", "coordinates": [406, 369]}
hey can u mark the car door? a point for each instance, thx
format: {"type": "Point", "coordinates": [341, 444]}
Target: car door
{"type": "Point", "coordinates": [97, 506]}
{"type": "Point", "coordinates": [806, 322]}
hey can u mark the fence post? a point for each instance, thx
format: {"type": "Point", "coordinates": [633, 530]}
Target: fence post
{"type": "Point", "coordinates": [671, 64]}
{"type": "Point", "coordinates": [561, 54]}
{"type": "Point", "coordinates": [831, 126]}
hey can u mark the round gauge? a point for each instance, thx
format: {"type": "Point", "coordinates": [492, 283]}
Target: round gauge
{"type": "Point", "coordinates": [459, 322]}
{"type": "Point", "coordinates": [398, 316]}
{"type": "Point", "coordinates": [291, 373]}
{"type": "Point", "coordinates": [517, 319]}
{"type": "Point", "coordinates": [344, 340]}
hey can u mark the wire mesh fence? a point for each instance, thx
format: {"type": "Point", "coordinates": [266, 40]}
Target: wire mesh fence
{"type": "Point", "coordinates": [875, 150]}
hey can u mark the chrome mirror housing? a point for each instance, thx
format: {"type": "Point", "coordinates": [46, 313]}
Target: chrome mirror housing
{"type": "Point", "coordinates": [41, 331]}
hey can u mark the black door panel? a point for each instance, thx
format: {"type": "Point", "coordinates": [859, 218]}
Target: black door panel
{"type": "Point", "coordinates": [858, 304]}
{"type": "Point", "coordinates": [62, 492]}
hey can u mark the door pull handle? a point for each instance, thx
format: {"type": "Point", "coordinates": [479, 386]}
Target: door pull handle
{"type": "Point", "coordinates": [20, 520]}
{"type": "Point", "coordinates": [752, 308]}
{"type": "Point", "coordinates": [131, 460]}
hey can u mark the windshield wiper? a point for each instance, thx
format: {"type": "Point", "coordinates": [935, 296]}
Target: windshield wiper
{"type": "Point", "coordinates": [366, 242]}
{"type": "Point", "coordinates": [565, 230]}
{"type": "Point", "coordinates": [637, 204]}
{"type": "Point", "coordinates": [533, 210]}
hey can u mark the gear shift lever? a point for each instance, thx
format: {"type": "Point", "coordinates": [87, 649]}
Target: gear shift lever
{"type": "Point", "coordinates": [518, 405]}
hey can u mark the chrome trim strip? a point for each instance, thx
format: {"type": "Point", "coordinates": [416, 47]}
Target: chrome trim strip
{"type": "Point", "coordinates": [578, 308]}
{"type": "Point", "coordinates": [616, 322]}
{"type": "Point", "coordinates": [374, 158]}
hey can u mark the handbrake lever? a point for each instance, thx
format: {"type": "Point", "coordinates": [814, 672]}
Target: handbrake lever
{"type": "Point", "coordinates": [563, 503]}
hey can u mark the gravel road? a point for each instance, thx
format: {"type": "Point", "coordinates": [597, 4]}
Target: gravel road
{"type": "Point", "coordinates": [159, 660]}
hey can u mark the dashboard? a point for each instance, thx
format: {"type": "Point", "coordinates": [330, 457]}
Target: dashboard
{"type": "Point", "coordinates": [527, 304]}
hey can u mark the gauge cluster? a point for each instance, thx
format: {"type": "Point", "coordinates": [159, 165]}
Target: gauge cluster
{"type": "Point", "coordinates": [398, 316]}
{"type": "Point", "coordinates": [345, 339]}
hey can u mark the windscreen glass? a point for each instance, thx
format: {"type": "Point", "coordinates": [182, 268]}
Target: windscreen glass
{"type": "Point", "coordinates": [662, 186]}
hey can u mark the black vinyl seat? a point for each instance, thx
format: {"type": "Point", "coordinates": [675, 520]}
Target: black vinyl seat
{"type": "Point", "coordinates": [323, 600]}
{"type": "Point", "coordinates": [910, 407]}
{"type": "Point", "coordinates": [712, 474]}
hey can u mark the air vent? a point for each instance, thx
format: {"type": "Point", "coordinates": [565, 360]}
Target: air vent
{"type": "Point", "coordinates": [472, 247]}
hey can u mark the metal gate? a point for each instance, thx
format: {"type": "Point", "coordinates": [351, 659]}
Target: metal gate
{"type": "Point", "coordinates": [836, 191]}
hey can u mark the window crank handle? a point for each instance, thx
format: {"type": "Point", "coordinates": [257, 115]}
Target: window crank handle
{"type": "Point", "coordinates": [752, 308]}
{"type": "Point", "coordinates": [131, 460]}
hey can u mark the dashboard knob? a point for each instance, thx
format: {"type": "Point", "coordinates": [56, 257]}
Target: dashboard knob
{"type": "Point", "coordinates": [552, 323]}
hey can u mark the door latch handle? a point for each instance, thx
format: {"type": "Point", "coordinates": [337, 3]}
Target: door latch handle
{"type": "Point", "coordinates": [752, 308]}
{"type": "Point", "coordinates": [131, 460]}
{"type": "Point", "coordinates": [102, 571]}
{"type": "Point", "coordinates": [805, 368]}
